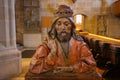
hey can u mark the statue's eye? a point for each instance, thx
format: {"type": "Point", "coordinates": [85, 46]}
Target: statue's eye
{"type": "Point", "coordinates": [58, 23]}
{"type": "Point", "coordinates": [66, 23]}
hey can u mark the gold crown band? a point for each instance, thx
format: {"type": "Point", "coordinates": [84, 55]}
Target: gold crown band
{"type": "Point", "coordinates": [63, 11]}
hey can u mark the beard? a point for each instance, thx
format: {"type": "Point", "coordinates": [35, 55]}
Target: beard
{"type": "Point", "coordinates": [63, 36]}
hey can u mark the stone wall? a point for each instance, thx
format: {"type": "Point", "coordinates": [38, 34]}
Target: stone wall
{"type": "Point", "coordinates": [91, 8]}
{"type": "Point", "coordinates": [19, 20]}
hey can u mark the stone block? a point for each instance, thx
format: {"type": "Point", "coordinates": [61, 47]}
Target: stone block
{"type": "Point", "coordinates": [10, 63]}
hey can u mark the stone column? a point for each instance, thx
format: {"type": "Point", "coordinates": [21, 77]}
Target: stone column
{"type": "Point", "coordinates": [103, 7]}
{"type": "Point", "coordinates": [10, 57]}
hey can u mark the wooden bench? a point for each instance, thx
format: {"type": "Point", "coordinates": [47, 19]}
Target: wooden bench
{"type": "Point", "coordinates": [63, 76]}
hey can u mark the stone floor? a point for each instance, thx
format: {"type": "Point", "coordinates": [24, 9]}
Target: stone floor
{"type": "Point", "coordinates": [25, 66]}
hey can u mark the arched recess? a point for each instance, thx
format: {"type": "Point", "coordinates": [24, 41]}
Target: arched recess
{"type": "Point", "coordinates": [80, 20]}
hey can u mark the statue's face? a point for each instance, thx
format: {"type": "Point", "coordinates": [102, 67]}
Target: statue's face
{"type": "Point", "coordinates": [63, 27]}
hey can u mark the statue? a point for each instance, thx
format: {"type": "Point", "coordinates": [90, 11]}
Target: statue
{"type": "Point", "coordinates": [63, 51]}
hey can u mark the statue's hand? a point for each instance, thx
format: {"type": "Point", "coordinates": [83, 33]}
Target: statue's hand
{"type": "Point", "coordinates": [52, 55]}
{"type": "Point", "coordinates": [84, 60]}
{"type": "Point", "coordinates": [63, 69]}
{"type": "Point", "coordinates": [52, 46]}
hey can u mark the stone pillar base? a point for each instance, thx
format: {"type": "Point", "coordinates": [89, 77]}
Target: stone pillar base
{"type": "Point", "coordinates": [10, 63]}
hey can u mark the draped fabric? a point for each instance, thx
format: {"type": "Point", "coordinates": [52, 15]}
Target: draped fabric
{"type": "Point", "coordinates": [79, 57]}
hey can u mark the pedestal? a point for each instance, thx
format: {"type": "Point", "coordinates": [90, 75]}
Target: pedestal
{"type": "Point", "coordinates": [10, 63]}
{"type": "Point", "coordinates": [63, 76]}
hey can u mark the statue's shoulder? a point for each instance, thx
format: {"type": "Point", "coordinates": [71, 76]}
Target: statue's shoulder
{"type": "Point", "coordinates": [78, 37]}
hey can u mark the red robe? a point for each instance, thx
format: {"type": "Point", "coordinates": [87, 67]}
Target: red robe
{"type": "Point", "coordinates": [79, 57]}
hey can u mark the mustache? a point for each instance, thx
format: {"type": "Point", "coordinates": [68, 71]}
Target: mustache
{"type": "Point", "coordinates": [63, 32]}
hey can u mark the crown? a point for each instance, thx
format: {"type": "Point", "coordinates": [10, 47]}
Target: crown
{"type": "Point", "coordinates": [63, 11]}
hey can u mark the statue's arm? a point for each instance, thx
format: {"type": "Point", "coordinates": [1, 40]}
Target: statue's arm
{"type": "Point", "coordinates": [41, 60]}
{"type": "Point", "coordinates": [86, 62]}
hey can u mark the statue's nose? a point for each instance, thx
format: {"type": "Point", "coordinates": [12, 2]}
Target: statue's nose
{"type": "Point", "coordinates": [63, 26]}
